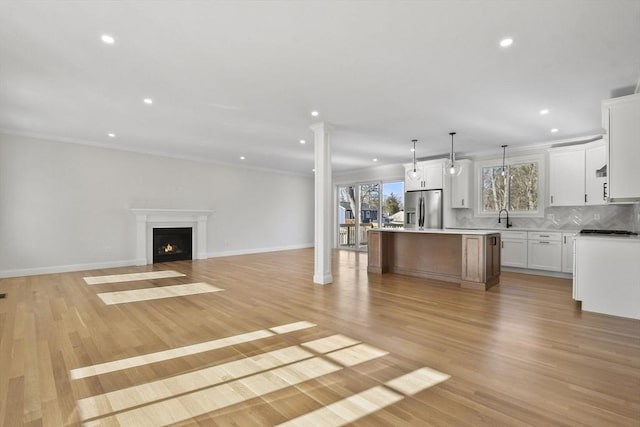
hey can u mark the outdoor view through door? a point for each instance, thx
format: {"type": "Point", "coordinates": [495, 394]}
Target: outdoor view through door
{"type": "Point", "coordinates": [360, 209]}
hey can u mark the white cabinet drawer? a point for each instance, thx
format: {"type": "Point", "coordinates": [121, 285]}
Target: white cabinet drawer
{"type": "Point", "coordinates": [547, 236]}
{"type": "Point", "coordinates": [513, 235]}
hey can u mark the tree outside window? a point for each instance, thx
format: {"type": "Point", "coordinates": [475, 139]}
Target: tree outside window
{"type": "Point", "coordinates": [369, 202]}
{"type": "Point", "coordinates": [516, 190]}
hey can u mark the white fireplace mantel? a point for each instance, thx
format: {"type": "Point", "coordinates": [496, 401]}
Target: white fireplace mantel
{"type": "Point", "coordinates": [148, 219]}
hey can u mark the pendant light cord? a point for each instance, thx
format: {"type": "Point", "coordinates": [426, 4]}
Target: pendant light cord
{"type": "Point", "coordinates": [414, 153]}
{"type": "Point", "coordinates": [504, 152]}
{"type": "Point", "coordinates": [451, 155]}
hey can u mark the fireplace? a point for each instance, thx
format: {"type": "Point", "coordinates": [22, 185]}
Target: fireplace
{"type": "Point", "coordinates": [148, 219]}
{"type": "Point", "coordinates": [172, 244]}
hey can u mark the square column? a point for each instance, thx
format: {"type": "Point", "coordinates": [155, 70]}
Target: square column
{"type": "Point", "coordinates": [322, 255]}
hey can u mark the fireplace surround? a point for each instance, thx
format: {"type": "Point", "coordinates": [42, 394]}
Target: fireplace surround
{"type": "Point", "coordinates": [148, 219]}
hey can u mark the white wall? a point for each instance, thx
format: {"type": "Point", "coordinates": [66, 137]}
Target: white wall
{"type": "Point", "coordinates": [65, 207]}
{"type": "Point", "coordinates": [377, 173]}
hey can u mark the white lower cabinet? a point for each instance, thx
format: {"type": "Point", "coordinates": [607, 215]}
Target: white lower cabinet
{"type": "Point", "coordinates": [544, 251]}
{"type": "Point", "coordinates": [537, 250]}
{"type": "Point", "coordinates": [513, 249]}
{"type": "Point", "coordinates": [606, 275]}
{"type": "Point", "coordinates": [567, 252]}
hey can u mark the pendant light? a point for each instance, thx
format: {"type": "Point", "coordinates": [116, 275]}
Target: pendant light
{"type": "Point", "coordinates": [504, 152]}
{"type": "Point", "coordinates": [452, 167]}
{"type": "Point", "coordinates": [414, 174]}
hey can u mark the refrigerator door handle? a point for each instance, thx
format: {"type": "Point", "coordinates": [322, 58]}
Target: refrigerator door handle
{"type": "Point", "coordinates": [422, 208]}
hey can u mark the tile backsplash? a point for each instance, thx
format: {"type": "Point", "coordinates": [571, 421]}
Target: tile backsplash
{"type": "Point", "coordinates": [608, 217]}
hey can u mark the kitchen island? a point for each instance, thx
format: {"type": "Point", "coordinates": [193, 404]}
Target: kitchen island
{"type": "Point", "coordinates": [470, 258]}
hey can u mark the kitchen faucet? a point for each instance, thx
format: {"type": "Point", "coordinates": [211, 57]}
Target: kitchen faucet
{"type": "Point", "coordinates": [500, 217]}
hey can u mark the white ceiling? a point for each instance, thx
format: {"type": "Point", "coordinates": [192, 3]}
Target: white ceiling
{"type": "Point", "coordinates": [239, 78]}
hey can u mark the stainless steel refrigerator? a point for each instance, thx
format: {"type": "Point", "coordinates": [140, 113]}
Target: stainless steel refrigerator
{"type": "Point", "coordinates": [423, 209]}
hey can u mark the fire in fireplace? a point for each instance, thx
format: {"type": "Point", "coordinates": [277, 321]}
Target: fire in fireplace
{"type": "Point", "coordinates": [171, 244]}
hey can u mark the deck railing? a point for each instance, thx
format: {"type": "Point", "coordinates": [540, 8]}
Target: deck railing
{"type": "Point", "coordinates": [347, 234]}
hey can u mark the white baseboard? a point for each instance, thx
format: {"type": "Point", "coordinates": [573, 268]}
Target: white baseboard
{"type": "Point", "coordinates": [219, 254]}
{"type": "Point", "coordinates": [538, 272]}
{"type": "Point", "coordinates": [133, 262]}
{"type": "Point", "coordinates": [66, 268]}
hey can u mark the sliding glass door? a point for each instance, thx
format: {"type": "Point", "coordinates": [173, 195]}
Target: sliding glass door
{"type": "Point", "coordinates": [347, 212]}
{"type": "Point", "coordinates": [361, 208]}
{"type": "Point", "coordinates": [369, 204]}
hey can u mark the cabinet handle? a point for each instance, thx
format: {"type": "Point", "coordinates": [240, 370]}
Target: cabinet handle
{"type": "Point", "coordinates": [462, 202]}
{"type": "Point", "coordinates": [551, 199]}
{"type": "Point", "coordinates": [494, 241]}
{"type": "Point", "coordinates": [544, 243]}
{"type": "Point", "coordinates": [604, 191]}
{"type": "Point", "coordinates": [565, 240]}
{"type": "Point", "coordinates": [585, 198]}
{"type": "Point", "coordinates": [502, 244]}
{"type": "Point", "coordinates": [544, 235]}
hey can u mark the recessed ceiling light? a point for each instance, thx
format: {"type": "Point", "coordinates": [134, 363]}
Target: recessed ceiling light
{"type": "Point", "coordinates": [544, 111]}
{"type": "Point", "coordinates": [148, 101]}
{"type": "Point", "coordinates": [374, 160]}
{"type": "Point", "coordinates": [111, 135]}
{"type": "Point", "coordinates": [242, 157]}
{"type": "Point", "coordinates": [506, 42]}
{"type": "Point", "coordinates": [302, 141]}
{"type": "Point", "coordinates": [106, 38]}
{"type": "Point", "coordinates": [314, 113]}
{"type": "Point", "coordinates": [554, 130]}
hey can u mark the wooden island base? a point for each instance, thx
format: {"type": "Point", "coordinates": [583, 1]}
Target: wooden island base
{"type": "Point", "coordinates": [472, 260]}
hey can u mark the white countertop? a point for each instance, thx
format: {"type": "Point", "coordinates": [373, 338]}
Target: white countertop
{"type": "Point", "coordinates": [537, 230]}
{"type": "Point", "coordinates": [616, 237]}
{"type": "Point", "coordinates": [436, 231]}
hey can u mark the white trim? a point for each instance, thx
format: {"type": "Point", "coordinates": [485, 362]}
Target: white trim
{"type": "Point", "coordinates": [136, 150]}
{"type": "Point", "coordinates": [220, 254]}
{"type": "Point", "coordinates": [66, 268]}
{"type": "Point", "coordinates": [532, 148]}
{"type": "Point", "coordinates": [546, 273]}
{"type": "Point", "coordinates": [540, 158]}
{"type": "Point", "coordinates": [148, 219]}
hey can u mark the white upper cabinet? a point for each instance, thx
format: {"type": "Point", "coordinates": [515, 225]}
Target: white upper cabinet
{"type": "Point", "coordinates": [433, 171]}
{"type": "Point", "coordinates": [578, 175]}
{"type": "Point", "coordinates": [413, 184]}
{"type": "Point", "coordinates": [566, 176]}
{"type": "Point", "coordinates": [429, 175]}
{"type": "Point", "coordinates": [461, 185]}
{"type": "Point", "coordinates": [621, 120]}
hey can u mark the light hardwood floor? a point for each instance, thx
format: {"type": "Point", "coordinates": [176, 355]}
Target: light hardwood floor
{"type": "Point", "coordinates": [274, 348]}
